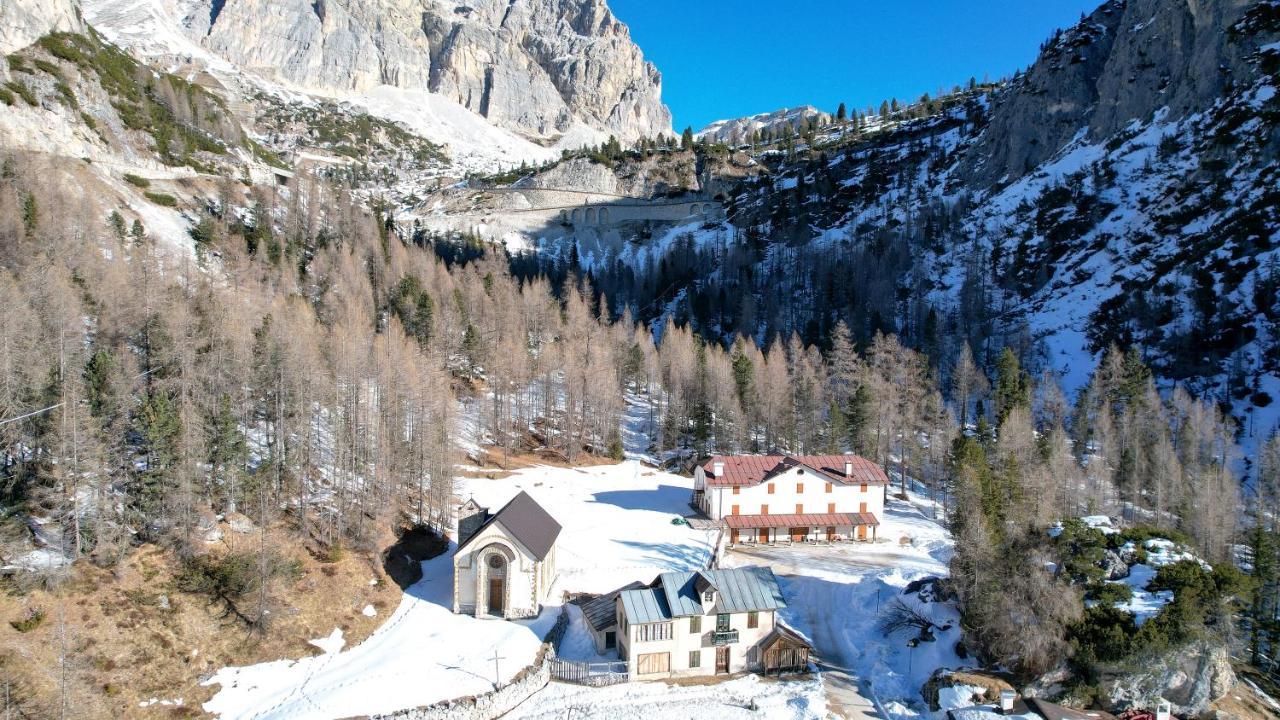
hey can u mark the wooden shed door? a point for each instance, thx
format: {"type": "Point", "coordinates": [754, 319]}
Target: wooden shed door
{"type": "Point", "coordinates": [798, 534]}
{"type": "Point", "coordinates": [495, 596]}
{"type": "Point", "coordinates": [862, 532]}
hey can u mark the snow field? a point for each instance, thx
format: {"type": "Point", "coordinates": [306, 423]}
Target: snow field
{"type": "Point", "coordinates": [617, 528]}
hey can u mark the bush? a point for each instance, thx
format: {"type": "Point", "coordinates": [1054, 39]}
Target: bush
{"type": "Point", "coordinates": [32, 621]}
{"type": "Point", "coordinates": [162, 199]}
{"type": "Point", "coordinates": [136, 181]}
{"type": "Point", "coordinates": [1109, 593]}
{"type": "Point", "coordinates": [22, 91]}
{"type": "Point", "coordinates": [47, 67]}
{"type": "Point", "coordinates": [230, 578]}
{"type": "Point", "coordinates": [6, 96]}
{"type": "Point", "coordinates": [1139, 534]}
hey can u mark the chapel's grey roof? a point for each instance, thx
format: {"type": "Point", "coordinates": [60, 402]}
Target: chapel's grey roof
{"type": "Point", "coordinates": [527, 522]}
{"type": "Point", "coordinates": [679, 594]}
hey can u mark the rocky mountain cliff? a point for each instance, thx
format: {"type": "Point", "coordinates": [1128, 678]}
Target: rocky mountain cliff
{"type": "Point", "coordinates": [535, 66]}
{"type": "Point", "coordinates": [1124, 62]}
{"type": "Point", "coordinates": [22, 23]}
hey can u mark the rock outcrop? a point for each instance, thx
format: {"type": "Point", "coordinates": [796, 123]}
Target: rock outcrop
{"type": "Point", "coordinates": [23, 22]}
{"type": "Point", "coordinates": [1190, 680]}
{"type": "Point", "coordinates": [535, 66]}
{"type": "Point", "coordinates": [740, 129]}
{"type": "Point", "coordinates": [1124, 62]}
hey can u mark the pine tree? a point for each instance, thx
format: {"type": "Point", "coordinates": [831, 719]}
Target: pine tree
{"type": "Point", "coordinates": [686, 139]}
{"type": "Point", "coordinates": [841, 113]}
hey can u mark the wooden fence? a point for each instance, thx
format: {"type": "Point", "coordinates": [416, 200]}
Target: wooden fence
{"type": "Point", "coordinates": [597, 674]}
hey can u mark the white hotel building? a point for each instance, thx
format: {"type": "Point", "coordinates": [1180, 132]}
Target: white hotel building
{"type": "Point", "coordinates": [767, 498]}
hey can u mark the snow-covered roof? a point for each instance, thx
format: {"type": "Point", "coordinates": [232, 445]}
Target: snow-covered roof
{"type": "Point", "coordinates": [755, 469]}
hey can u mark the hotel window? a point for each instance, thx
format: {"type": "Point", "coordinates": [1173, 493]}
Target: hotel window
{"type": "Point", "coordinates": [695, 624]}
{"type": "Point", "coordinates": [863, 488]}
{"type": "Point", "coordinates": [753, 619]}
{"type": "Point", "coordinates": [736, 489]}
{"type": "Point", "coordinates": [831, 507]}
{"type": "Point", "coordinates": [764, 509]}
{"type": "Point", "coordinates": [799, 508]}
{"type": "Point", "coordinates": [695, 658]}
{"type": "Point", "coordinates": [770, 488]}
{"type": "Point", "coordinates": [829, 487]}
{"type": "Point", "coordinates": [799, 488]}
{"type": "Point", "coordinates": [862, 507]}
{"type": "Point", "coordinates": [734, 510]}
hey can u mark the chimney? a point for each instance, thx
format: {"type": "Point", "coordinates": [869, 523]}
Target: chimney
{"type": "Point", "coordinates": [848, 468]}
{"type": "Point", "coordinates": [1006, 702]}
{"type": "Point", "coordinates": [718, 469]}
{"type": "Point", "coordinates": [1163, 711]}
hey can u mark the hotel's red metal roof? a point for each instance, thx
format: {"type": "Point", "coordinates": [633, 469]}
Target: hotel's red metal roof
{"type": "Point", "coordinates": [813, 520]}
{"type": "Point", "coordinates": [743, 470]}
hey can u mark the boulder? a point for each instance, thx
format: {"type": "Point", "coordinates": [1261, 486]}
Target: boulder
{"type": "Point", "coordinates": [1190, 679]}
{"type": "Point", "coordinates": [1114, 566]}
{"type": "Point", "coordinates": [943, 678]}
{"type": "Point", "coordinates": [239, 523]}
{"type": "Point", "coordinates": [1050, 685]}
{"type": "Point", "coordinates": [207, 526]}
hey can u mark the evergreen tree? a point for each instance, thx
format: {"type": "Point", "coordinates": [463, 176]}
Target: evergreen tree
{"type": "Point", "coordinates": [686, 139]}
{"type": "Point", "coordinates": [1013, 386]}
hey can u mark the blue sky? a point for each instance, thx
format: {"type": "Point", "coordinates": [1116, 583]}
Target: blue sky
{"type": "Point", "coordinates": [729, 58]}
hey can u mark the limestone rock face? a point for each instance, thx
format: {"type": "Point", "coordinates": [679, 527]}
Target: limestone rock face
{"type": "Point", "coordinates": [535, 66]}
{"type": "Point", "coordinates": [1126, 61]}
{"type": "Point", "coordinates": [1189, 680]}
{"type": "Point", "coordinates": [22, 22]}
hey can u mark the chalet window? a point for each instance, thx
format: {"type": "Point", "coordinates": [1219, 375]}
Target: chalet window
{"type": "Point", "coordinates": [753, 619]}
{"type": "Point", "coordinates": [610, 640]}
{"type": "Point", "coordinates": [695, 658]}
{"type": "Point", "coordinates": [695, 624]}
{"type": "Point", "coordinates": [770, 488]}
{"type": "Point", "coordinates": [799, 508]}
{"type": "Point", "coordinates": [709, 596]}
{"type": "Point", "coordinates": [829, 487]}
{"type": "Point", "coordinates": [652, 632]}
{"type": "Point", "coordinates": [734, 510]}
{"type": "Point", "coordinates": [831, 508]}
{"type": "Point", "coordinates": [736, 489]}
{"type": "Point", "coordinates": [863, 488]}
{"type": "Point", "coordinates": [649, 663]}
{"type": "Point", "coordinates": [862, 507]}
{"type": "Point", "coordinates": [722, 622]}
{"type": "Point", "coordinates": [764, 509]}
{"type": "Point", "coordinates": [799, 488]}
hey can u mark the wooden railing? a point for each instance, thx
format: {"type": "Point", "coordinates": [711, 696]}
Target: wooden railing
{"type": "Point", "coordinates": [590, 674]}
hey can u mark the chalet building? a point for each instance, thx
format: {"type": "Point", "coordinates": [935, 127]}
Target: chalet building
{"type": "Point", "coordinates": [767, 498]}
{"type": "Point", "coordinates": [506, 562]}
{"type": "Point", "coordinates": [707, 622]}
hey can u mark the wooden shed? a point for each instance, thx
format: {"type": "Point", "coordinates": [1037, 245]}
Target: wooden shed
{"type": "Point", "coordinates": [784, 651]}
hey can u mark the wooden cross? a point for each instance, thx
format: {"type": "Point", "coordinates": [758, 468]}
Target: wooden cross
{"type": "Point", "coordinates": [497, 678]}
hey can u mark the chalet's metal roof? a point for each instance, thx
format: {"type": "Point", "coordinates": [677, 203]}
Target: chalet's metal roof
{"type": "Point", "coordinates": [645, 605]}
{"type": "Point", "coordinates": [809, 520]}
{"type": "Point", "coordinates": [741, 470]}
{"type": "Point", "coordinates": [737, 590]}
{"type": "Point", "coordinates": [527, 522]}
{"type": "Point", "coordinates": [600, 611]}
{"type": "Point", "coordinates": [679, 594]}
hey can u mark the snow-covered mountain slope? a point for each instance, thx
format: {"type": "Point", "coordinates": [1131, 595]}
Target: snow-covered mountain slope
{"type": "Point", "coordinates": [1056, 214]}
{"type": "Point", "coordinates": [547, 69]}
{"type": "Point", "coordinates": [741, 129]}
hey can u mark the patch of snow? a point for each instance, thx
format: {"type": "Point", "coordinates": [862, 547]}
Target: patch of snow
{"type": "Point", "coordinates": [369, 611]}
{"type": "Point", "coordinates": [331, 644]}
